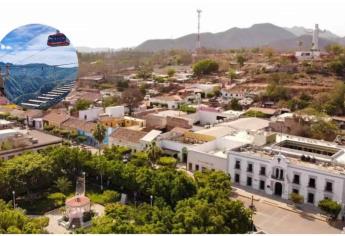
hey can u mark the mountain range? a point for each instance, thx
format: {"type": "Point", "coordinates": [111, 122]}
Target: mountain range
{"type": "Point", "coordinates": [258, 35]}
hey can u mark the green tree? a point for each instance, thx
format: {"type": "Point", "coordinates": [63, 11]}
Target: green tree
{"type": "Point", "coordinates": [110, 101]}
{"type": "Point", "coordinates": [99, 134]}
{"type": "Point", "coordinates": [335, 49]}
{"type": "Point", "coordinates": [15, 221]}
{"type": "Point", "coordinates": [199, 216]}
{"type": "Point", "coordinates": [205, 67]}
{"type": "Point", "coordinates": [153, 152]}
{"type": "Point", "coordinates": [322, 129]}
{"type": "Point", "coordinates": [82, 104]}
{"type": "Point", "coordinates": [100, 165]}
{"type": "Point", "coordinates": [63, 185]}
{"type": "Point", "coordinates": [144, 72]}
{"type": "Point", "coordinates": [240, 59]}
{"type": "Point", "coordinates": [171, 72]}
{"type": "Point", "coordinates": [330, 207]}
{"type": "Point", "coordinates": [234, 105]}
{"type": "Point", "coordinates": [167, 161]}
{"type": "Point", "coordinates": [57, 198]}
{"type": "Point", "coordinates": [232, 74]}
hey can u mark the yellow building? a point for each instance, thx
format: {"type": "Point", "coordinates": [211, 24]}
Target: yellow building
{"type": "Point", "coordinates": [126, 121]}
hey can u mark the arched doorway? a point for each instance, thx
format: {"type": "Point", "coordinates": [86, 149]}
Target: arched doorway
{"type": "Point", "coordinates": [278, 189]}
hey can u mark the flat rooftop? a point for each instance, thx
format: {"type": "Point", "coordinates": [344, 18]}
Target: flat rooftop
{"type": "Point", "coordinates": [250, 123]}
{"type": "Point", "coordinates": [305, 152]}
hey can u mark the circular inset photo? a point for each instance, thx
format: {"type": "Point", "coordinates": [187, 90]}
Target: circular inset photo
{"type": "Point", "coordinates": [38, 66]}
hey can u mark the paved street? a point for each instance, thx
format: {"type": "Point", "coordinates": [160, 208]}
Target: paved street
{"type": "Point", "coordinates": [273, 219]}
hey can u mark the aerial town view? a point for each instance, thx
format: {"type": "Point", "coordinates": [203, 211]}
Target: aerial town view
{"type": "Point", "coordinates": [172, 117]}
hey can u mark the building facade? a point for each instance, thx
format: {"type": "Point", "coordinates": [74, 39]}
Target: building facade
{"type": "Point", "coordinates": [278, 176]}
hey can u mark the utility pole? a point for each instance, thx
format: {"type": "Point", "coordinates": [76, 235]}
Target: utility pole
{"type": "Point", "coordinates": [14, 199]}
{"type": "Point", "coordinates": [198, 43]}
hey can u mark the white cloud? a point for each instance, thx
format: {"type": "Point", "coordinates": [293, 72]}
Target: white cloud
{"type": "Point", "coordinates": [5, 47]}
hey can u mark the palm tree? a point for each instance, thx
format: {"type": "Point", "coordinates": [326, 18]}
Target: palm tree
{"type": "Point", "coordinates": [101, 165]}
{"type": "Point", "coordinates": [153, 152]}
{"type": "Point", "coordinates": [99, 134]}
{"type": "Point", "coordinates": [63, 185]}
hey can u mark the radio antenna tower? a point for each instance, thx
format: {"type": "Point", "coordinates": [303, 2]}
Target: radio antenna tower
{"type": "Point", "coordinates": [198, 44]}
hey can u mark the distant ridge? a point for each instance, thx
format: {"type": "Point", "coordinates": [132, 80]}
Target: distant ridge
{"type": "Point", "coordinates": [265, 34]}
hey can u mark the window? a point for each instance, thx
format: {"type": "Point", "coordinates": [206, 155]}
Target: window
{"type": "Point", "coordinates": [249, 181]}
{"type": "Point", "coordinates": [295, 179]}
{"type": "Point", "coordinates": [295, 191]}
{"type": "Point", "coordinates": [329, 186]}
{"type": "Point", "coordinates": [311, 183]}
{"type": "Point", "coordinates": [85, 117]}
{"type": "Point", "coordinates": [203, 169]}
{"type": "Point", "coordinates": [263, 170]}
{"type": "Point", "coordinates": [190, 166]}
{"type": "Point", "coordinates": [278, 174]}
{"type": "Point", "coordinates": [311, 198]}
{"type": "Point", "coordinates": [238, 165]}
{"type": "Point", "coordinates": [250, 168]}
{"type": "Point", "coordinates": [262, 185]}
{"type": "Point", "coordinates": [196, 167]}
{"type": "Point", "coordinates": [237, 178]}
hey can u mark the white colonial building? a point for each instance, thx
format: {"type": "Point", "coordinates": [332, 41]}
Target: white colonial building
{"type": "Point", "coordinates": [311, 168]}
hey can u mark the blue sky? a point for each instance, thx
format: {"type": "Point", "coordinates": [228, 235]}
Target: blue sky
{"type": "Point", "coordinates": [28, 44]}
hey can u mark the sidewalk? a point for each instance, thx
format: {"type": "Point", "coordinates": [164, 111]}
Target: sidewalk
{"type": "Point", "coordinates": [310, 211]}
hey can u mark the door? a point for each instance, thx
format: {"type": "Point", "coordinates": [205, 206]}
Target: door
{"type": "Point", "coordinates": [278, 189]}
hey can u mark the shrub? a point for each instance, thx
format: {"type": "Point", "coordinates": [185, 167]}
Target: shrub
{"type": "Point", "coordinates": [205, 67]}
{"type": "Point", "coordinates": [187, 108]}
{"type": "Point", "coordinates": [253, 113]}
{"type": "Point", "coordinates": [110, 196]}
{"type": "Point", "coordinates": [48, 127]}
{"type": "Point", "coordinates": [167, 161]}
{"type": "Point", "coordinates": [330, 207]}
{"type": "Point", "coordinates": [57, 198]}
{"type": "Point", "coordinates": [296, 198]}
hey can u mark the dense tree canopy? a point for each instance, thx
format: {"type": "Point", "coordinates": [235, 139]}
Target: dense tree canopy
{"type": "Point", "coordinates": [181, 203]}
{"type": "Point", "coordinates": [14, 221]}
{"type": "Point", "coordinates": [205, 67]}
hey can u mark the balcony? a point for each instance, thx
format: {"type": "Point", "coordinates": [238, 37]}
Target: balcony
{"type": "Point", "coordinates": [281, 178]}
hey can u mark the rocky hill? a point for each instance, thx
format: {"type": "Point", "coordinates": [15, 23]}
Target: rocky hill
{"type": "Point", "coordinates": [258, 35]}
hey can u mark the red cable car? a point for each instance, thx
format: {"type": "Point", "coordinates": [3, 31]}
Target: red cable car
{"type": "Point", "coordinates": [58, 40]}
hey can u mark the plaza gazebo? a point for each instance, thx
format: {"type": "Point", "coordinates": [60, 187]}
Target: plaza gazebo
{"type": "Point", "coordinates": [75, 209]}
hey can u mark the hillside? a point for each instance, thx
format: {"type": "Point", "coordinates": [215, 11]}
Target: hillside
{"type": "Point", "coordinates": [265, 34]}
{"type": "Point", "coordinates": [292, 43]}
{"type": "Point", "coordinates": [256, 35]}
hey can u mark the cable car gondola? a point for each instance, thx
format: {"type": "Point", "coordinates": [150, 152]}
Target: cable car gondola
{"type": "Point", "coordinates": [58, 40]}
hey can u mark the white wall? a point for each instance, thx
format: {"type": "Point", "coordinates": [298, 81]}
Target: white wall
{"type": "Point", "coordinates": [205, 160]}
{"type": "Point", "coordinates": [91, 114]}
{"type": "Point", "coordinates": [115, 111]}
{"type": "Point", "coordinates": [289, 171]}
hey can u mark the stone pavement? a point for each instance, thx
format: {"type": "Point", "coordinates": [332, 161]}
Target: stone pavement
{"type": "Point", "coordinates": [312, 211]}
{"type": "Point", "coordinates": [281, 217]}
{"type": "Point", "coordinates": [54, 215]}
